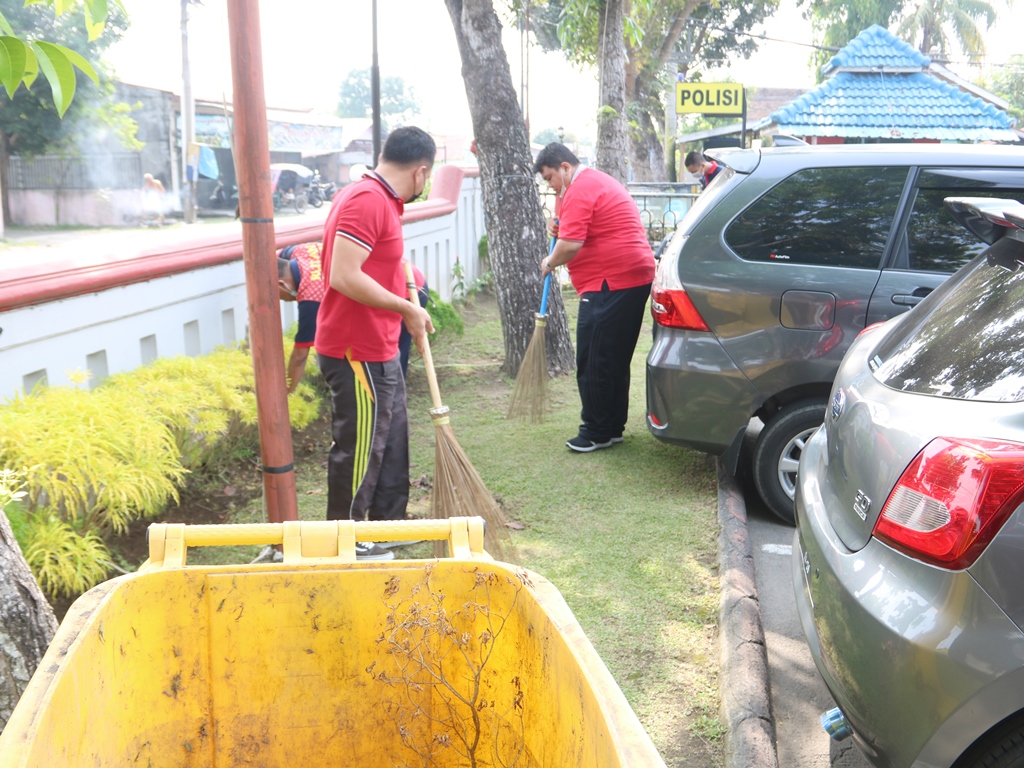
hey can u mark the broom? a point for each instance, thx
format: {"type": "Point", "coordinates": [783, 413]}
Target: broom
{"type": "Point", "coordinates": [458, 490]}
{"type": "Point", "coordinates": [528, 391]}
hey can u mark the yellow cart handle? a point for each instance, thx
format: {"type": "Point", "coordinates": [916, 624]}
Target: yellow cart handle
{"type": "Point", "coordinates": [311, 542]}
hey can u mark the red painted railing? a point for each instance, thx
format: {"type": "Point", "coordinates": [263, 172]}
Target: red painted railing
{"type": "Point", "coordinates": [77, 274]}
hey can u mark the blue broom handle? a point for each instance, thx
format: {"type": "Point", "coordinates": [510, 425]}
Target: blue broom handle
{"type": "Point", "coordinates": [547, 283]}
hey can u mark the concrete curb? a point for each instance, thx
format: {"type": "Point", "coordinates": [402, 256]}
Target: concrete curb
{"type": "Point", "coordinates": [746, 701]}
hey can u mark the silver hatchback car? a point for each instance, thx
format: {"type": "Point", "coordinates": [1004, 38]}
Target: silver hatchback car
{"type": "Point", "coordinates": [909, 554]}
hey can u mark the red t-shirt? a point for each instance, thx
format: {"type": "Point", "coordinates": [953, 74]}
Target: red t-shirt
{"type": "Point", "coordinates": [368, 213]}
{"type": "Point", "coordinates": [312, 281]}
{"type": "Point", "coordinates": [597, 211]}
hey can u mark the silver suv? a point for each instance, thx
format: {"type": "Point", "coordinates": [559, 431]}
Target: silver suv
{"type": "Point", "coordinates": [786, 256]}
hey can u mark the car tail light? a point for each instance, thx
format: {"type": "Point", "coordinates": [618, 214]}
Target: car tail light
{"type": "Point", "coordinates": [952, 500]}
{"type": "Point", "coordinates": [673, 309]}
{"type": "Point", "coordinates": [670, 306]}
{"type": "Point", "coordinates": [870, 328]}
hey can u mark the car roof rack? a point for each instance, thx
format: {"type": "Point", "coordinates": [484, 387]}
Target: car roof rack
{"type": "Point", "coordinates": [990, 218]}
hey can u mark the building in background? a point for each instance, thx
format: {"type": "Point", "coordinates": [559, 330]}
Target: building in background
{"type": "Point", "coordinates": [880, 88]}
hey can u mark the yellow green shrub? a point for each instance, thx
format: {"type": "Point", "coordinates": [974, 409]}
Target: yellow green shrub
{"type": "Point", "coordinates": [63, 560]}
{"type": "Point", "coordinates": [103, 457]}
{"type": "Point", "coordinates": [94, 461]}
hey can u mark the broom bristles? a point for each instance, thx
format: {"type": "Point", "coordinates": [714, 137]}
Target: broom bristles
{"type": "Point", "coordinates": [528, 400]}
{"type": "Point", "coordinates": [459, 491]}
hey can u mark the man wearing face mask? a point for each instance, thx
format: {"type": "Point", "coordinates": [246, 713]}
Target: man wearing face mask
{"type": "Point", "coordinates": [601, 239]}
{"type": "Point", "coordinates": [357, 336]}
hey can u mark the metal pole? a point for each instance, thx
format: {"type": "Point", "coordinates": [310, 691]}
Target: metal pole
{"type": "Point", "coordinates": [375, 91]}
{"type": "Point", "coordinates": [743, 130]}
{"type": "Point", "coordinates": [188, 120]}
{"type": "Point", "coordinates": [256, 210]}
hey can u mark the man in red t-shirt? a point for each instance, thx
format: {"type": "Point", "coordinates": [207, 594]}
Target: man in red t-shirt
{"type": "Point", "coordinates": [601, 239]}
{"type": "Point", "coordinates": [357, 336]}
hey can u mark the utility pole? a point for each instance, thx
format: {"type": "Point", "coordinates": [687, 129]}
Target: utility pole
{"type": "Point", "coordinates": [256, 209]}
{"type": "Point", "coordinates": [188, 122]}
{"type": "Point", "coordinates": [375, 91]}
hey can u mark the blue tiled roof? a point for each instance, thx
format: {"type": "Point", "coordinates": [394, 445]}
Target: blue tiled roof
{"type": "Point", "coordinates": [877, 47]}
{"type": "Point", "coordinates": [895, 106]}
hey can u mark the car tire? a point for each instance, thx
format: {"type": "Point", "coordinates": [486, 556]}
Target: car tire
{"type": "Point", "coordinates": [1002, 747]}
{"type": "Point", "coordinates": [777, 454]}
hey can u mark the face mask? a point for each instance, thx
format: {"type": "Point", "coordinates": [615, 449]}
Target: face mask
{"type": "Point", "coordinates": [417, 195]}
{"type": "Point", "coordinates": [565, 181]}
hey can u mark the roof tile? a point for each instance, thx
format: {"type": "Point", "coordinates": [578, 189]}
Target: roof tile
{"type": "Point", "coordinates": [877, 47]}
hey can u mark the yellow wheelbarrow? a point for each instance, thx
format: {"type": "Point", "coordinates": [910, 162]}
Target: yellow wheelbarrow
{"type": "Point", "coordinates": [323, 661]}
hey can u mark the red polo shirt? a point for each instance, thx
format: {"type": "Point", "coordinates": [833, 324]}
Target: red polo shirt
{"type": "Point", "coordinates": [597, 211]}
{"type": "Point", "coordinates": [368, 213]}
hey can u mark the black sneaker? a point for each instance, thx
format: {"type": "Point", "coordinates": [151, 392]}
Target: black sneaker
{"type": "Point", "coordinates": [367, 550]}
{"type": "Point", "coordinates": [582, 444]}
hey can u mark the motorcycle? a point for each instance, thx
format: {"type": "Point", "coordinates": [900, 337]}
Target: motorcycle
{"type": "Point", "coordinates": [222, 197]}
{"type": "Point", "coordinates": [320, 191]}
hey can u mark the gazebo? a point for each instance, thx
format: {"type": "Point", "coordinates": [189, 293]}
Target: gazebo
{"type": "Point", "coordinates": [879, 88]}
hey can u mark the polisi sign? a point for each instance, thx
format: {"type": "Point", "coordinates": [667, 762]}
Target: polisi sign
{"type": "Point", "coordinates": [723, 99]}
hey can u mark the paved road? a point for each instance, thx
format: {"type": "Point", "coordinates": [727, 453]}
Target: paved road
{"type": "Point", "coordinates": [799, 695]}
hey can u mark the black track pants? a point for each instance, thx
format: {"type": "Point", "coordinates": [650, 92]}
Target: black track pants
{"type": "Point", "coordinates": [606, 334]}
{"type": "Point", "coordinates": [368, 467]}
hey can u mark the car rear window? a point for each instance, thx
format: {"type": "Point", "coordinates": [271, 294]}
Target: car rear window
{"type": "Point", "coordinates": [966, 340]}
{"type": "Point", "coordinates": [838, 217]}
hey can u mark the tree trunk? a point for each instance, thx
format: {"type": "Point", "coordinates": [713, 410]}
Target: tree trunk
{"type": "Point", "coordinates": [27, 623]}
{"type": "Point", "coordinates": [612, 141]}
{"type": "Point", "coordinates": [516, 236]}
{"type": "Point", "coordinates": [647, 151]}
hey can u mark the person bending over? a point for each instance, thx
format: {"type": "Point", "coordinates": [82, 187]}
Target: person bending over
{"type": "Point", "coordinates": [601, 239]}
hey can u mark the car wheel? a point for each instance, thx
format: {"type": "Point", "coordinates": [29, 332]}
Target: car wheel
{"type": "Point", "coordinates": [777, 454]}
{"type": "Point", "coordinates": [1002, 747]}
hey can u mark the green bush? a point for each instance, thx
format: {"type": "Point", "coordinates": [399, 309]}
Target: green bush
{"type": "Point", "coordinates": [444, 317]}
{"type": "Point", "coordinates": [11, 483]}
{"type": "Point", "coordinates": [94, 461]}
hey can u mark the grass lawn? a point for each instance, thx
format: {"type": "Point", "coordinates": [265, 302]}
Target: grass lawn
{"type": "Point", "coordinates": [627, 534]}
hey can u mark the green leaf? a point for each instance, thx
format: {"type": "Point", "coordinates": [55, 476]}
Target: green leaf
{"type": "Point", "coordinates": [61, 7]}
{"type": "Point", "coordinates": [5, 27]}
{"type": "Point", "coordinates": [12, 64]}
{"type": "Point", "coordinates": [58, 71]}
{"type": "Point", "coordinates": [79, 61]}
{"type": "Point", "coordinates": [95, 17]}
{"type": "Point", "coordinates": [31, 67]}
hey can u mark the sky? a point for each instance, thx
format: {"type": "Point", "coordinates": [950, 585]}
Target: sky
{"type": "Point", "coordinates": [310, 46]}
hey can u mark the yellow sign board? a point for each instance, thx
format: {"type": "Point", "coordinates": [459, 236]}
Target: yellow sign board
{"type": "Point", "coordinates": [723, 99]}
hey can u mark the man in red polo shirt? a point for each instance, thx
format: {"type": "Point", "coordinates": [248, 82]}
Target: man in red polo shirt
{"type": "Point", "coordinates": [611, 265]}
{"type": "Point", "coordinates": [357, 336]}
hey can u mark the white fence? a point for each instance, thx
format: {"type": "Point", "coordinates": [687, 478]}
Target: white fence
{"type": "Point", "coordinates": [120, 328]}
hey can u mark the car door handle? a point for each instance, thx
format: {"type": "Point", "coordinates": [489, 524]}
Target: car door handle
{"type": "Point", "coordinates": [906, 300]}
{"type": "Point", "coordinates": [911, 299]}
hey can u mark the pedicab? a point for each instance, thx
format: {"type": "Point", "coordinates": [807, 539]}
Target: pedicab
{"type": "Point", "coordinates": [321, 660]}
{"type": "Point", "coordinates": [290, 185]}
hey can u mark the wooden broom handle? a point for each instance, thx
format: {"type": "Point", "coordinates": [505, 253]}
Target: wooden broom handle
{"type": "Point", "coordinates": [428, 359]}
